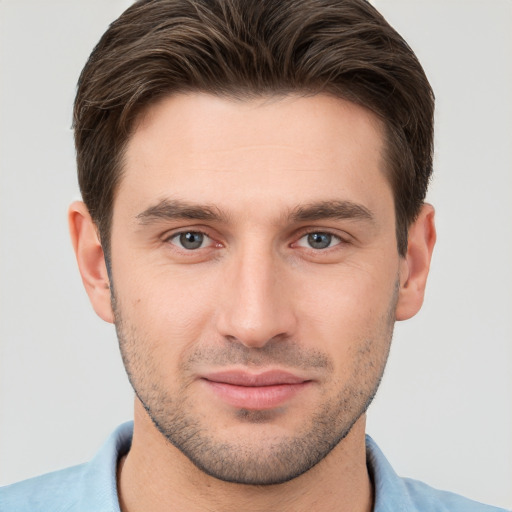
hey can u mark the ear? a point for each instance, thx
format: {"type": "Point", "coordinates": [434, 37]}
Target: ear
{"type": "Point", "coordinates": [415, 265]}
{"type": "Point", "coordinates": [91, 260]}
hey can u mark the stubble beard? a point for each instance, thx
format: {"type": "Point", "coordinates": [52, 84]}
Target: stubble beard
{"type": "Point", "coordinates": [274, 460]}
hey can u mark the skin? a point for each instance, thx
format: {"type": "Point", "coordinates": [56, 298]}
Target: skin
{"type": "Point", "coordinates": [257, 178]}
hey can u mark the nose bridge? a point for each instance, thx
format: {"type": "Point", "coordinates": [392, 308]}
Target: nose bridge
{"type": "Point", "coordinates": [256, 308]}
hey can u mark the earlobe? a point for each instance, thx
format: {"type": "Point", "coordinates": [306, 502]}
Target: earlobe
{"type": "Point", "coordinates": [416, 263]}
{"type": "Point", "coordinates": [90, 259]}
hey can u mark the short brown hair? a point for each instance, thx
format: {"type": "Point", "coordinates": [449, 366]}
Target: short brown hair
{"type": "Point", "coordinates": [248, 48]}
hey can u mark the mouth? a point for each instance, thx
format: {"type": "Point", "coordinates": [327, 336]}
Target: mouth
{"type": "Point", "coordinates": [262, 391]}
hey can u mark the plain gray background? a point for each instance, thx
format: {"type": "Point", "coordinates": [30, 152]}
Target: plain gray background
{"type": "Point", "coordinates": [444, 411]}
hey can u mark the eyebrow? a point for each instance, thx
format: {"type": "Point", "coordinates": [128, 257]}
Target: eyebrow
{"type": "Point", "coordinates": [338, 210]}
{"type": "Point", "coordinates": [171, 209]}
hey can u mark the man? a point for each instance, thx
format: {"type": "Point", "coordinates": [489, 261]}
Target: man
{"type": "Point", "coordinates": [253, 176]}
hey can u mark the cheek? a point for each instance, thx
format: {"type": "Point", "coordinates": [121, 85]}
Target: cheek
{"type": "Point", "coordinates": [168, 310]}
{"type": "Point", "coordinates": [347, 307]}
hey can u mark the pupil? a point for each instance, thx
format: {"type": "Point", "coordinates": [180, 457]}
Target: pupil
{"type": "Point", "coordinates": [319, 240]}
{"type": "Point", "coordinates": [191, 240]}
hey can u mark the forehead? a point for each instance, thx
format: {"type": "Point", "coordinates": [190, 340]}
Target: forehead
{"type": "Point", "coordinates": [276, 151]}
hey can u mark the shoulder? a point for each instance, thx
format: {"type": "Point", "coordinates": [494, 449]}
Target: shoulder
{"type": "Point", "coordinates": [57, 491]}
{"type": "Point", "coordinates": [394, 493]}
{"type": "Point", "coordinates": [428, 499]}
{"type": "Point", "coordinates": [87, 487]}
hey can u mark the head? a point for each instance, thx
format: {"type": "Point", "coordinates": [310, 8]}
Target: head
{"type": "Point", "coordinates": [254, 174]}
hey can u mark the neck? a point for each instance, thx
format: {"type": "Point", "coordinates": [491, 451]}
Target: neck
{"type": "Point", "coordinates": [155, 475]}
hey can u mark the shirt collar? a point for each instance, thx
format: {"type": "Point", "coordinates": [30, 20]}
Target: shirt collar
{"type": "Point", "coordinates": [390, 492]}
{"type": "Point", "coordinates": [99, 491]}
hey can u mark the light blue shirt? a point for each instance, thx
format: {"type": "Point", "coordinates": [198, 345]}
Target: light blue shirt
{"type": "Point", "coordinates": [91, 487]}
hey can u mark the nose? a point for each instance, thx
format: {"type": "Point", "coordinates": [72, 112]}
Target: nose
{"type": "Point", "coordinates": [256, 306]}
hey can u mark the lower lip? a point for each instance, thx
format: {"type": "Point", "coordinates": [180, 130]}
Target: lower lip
{"type": "Point", "coordinates": [256, 397]}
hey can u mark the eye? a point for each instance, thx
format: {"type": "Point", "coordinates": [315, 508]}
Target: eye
{"type": "Point", "coordinates": [319, 240]}
{"type": "Point", "coordinates": [190, 240]}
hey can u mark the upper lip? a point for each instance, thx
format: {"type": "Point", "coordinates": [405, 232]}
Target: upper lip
{"type": "Point", "coordinates": [245, 378]}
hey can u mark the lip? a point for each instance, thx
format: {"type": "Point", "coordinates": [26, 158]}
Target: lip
{"type": "Point", "coordinates": [245, 390]}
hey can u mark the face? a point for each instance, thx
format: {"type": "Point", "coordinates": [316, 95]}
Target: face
{"type": "Point", "coordinates": [255, 270]}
